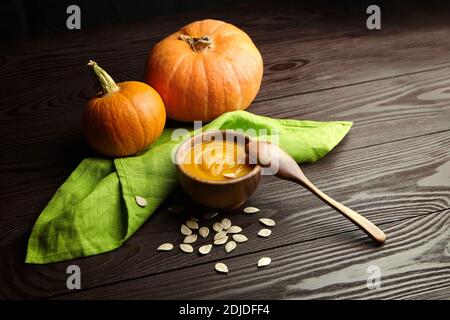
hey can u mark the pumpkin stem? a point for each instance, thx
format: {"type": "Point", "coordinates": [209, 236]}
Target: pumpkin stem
{"type": "Point", "coordinates": [107, 83]}
{"type": "Point", "coordinates": [197, 44]}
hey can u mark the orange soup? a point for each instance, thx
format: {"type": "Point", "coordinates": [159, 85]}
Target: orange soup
{"type": "Point", "coordinates": [216, 160]}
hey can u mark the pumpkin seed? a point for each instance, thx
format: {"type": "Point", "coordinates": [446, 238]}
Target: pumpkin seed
{"type": "Point", "coordinates": [229, 175]}
{"type": "Point", "coordinates": [209, 215]}
{"type": "Point", "coordinates": [185, 230]}
{"type": "Point", "coordinates": [141, 202]}
{"type": "Point", "coordinates": [176, 209]}
{"type": "Point", "coordinates": [221, 267]}
{"type": "Point", "coordinates": [264, 261]}
{"type": "Point", "coordinates": [264, 233]}
{"type": "Point", "coordinates": [165, 247]}
{"type": "Point", "coordinates": [190, 239]}
{"type": "Point", "coordinates": [239, 238]}
{"type": "Point", "coordinates": [204, 231]}
{"type": "Point", "coordinates": [191, 224]}
{"type": "Point", "coordinates": [186, 248]}
{"type": "Point", "coordinates": [220, 235]}
{"type": "Point", "coordinates": [194, 218]}
{"type": "Point", "coordinates": [221, 241]}
{"type": "Point", "coordinates": [234, 229]}
{"type": "Point", "coordinates": [251, 210]}
{"type": "Point", "coordinates": [226, 223]}
{"type": "Point", "coordinates": [205, 249]}
{"type": "Point", "coordinates": [267, 222]}
{"type": "Point", "coordinates": [217, 227]}
{"type": "Point", "coordinates": [230, 246]}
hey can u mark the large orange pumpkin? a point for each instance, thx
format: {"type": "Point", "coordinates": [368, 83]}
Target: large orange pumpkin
{"type": "Point", "coordinates": [124, 118]}
{"type": "Point", "coordinates": [207, 68]}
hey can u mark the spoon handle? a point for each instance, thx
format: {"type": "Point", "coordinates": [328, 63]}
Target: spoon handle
{"type": "Point", "coordinates": [365, 225]}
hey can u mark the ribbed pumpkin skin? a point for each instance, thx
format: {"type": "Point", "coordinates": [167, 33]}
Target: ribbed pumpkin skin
{"type": "Point", "coordinates": [204, 85]}
{"type": "Point", "coordinates": [122, 123]}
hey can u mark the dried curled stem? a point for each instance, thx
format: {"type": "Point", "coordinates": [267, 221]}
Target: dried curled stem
{"type": "Point", "coordinates": [197, 44]}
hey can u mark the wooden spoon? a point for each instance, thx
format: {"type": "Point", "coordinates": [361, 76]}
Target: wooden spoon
{"type": "Point", "coordinates": [285, 167]}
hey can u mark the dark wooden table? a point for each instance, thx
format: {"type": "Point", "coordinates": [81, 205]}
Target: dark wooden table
{"type": "Point", "coordinates": [393, 167]}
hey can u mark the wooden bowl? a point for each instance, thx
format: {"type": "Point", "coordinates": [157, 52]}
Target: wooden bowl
{"type": "Point", "coordinates": [224, 195]}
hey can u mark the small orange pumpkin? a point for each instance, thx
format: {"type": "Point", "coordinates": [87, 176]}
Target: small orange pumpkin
{"type": "Point", "coordinates": [207, 68]}
{"type": "Point", "coordinates": [123, 119]}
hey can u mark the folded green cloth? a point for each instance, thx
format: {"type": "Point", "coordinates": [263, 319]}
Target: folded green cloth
{"type": "Point", "coordinates": [95, 210]}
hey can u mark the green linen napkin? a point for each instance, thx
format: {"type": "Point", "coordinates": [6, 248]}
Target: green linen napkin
{"type": "Point", "coordinates": [95, 210]}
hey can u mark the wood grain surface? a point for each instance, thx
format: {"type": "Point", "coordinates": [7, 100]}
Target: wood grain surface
{"type": "Point", "coordinates": [393, 167]}
{"type": "Point", "coordinates": [416, 259]}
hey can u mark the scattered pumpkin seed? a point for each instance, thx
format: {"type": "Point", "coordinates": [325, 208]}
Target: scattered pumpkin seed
{"type": "Point", "coordinates": [176, 209]}
{"type": "Point", "coordinates": [194, 218]}
{"type": "Point", "coordinates": [267, 222]}
{"type": "Point", "coordinates": [230, 246]}
{"type": "Point", "coordinates": [221, 267]}
{"type": "Point", "coordinates": [185, 230]}
{"type": "Point", "coordinates": [239, 238]}
{"type": "Point", "coordinates": [141, 202]}
{"type": "Point", "coordinates": [264, 261]}
{"type": "Point", "coordinates": [209, 215]}
{"type": "Point", "coordinates": [226, 223]}
{"type": "Point", "coordinates": [221, 241]}
{"type": "Point", "coordinates": [190, 239]}
{"type": "Point", "coordinates": [217, 227]}
{"type": "Point", "coordinates": [191, 224]}
{"type": "Point", "coordinates": [234, 229]}
{"type": "Point", "coordinates": [186, 248]}
{"type": "Point", "coordinates": [203, 231]}
{"type": "Point", "coordinates": [251, 210]}
{"type": "Point", "coordinates": [165, 247]}
{"type": "Point", "coordinates": [205, 249]}
{"type": "Point", "coordinates": [264, 233]}
{"type": "Point", "coordinates": [220, 235]}
{"type": "Point", "coordinates": [229, 175]}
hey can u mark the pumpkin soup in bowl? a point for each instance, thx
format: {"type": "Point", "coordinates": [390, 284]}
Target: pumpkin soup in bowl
{"type": "Point", "coordinates": [216, 160]}
{"type": "Point", "coordinates": [214, 169]}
